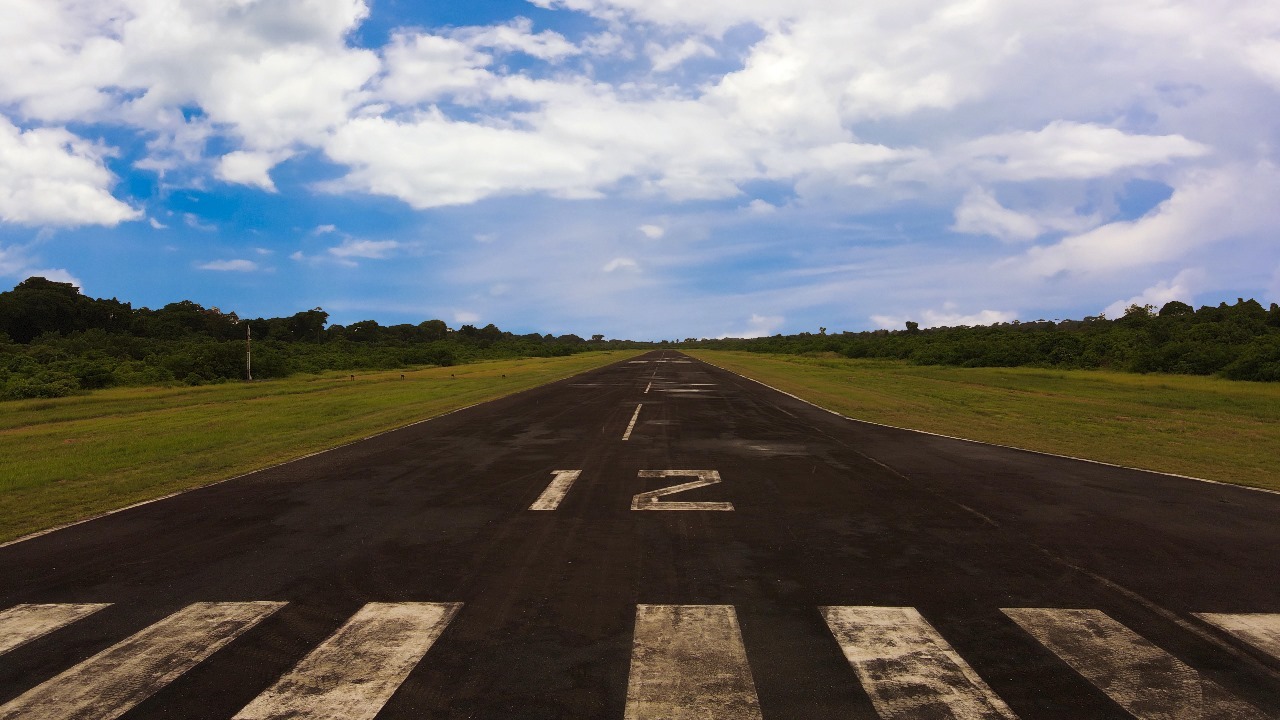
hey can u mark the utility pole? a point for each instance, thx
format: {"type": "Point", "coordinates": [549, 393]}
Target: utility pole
{"type": "Point", "coordinates": [248, 351]}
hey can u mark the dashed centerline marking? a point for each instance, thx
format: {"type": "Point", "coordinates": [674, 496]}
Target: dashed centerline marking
{"type": "Point", "coordinates": [907, 668]}
{"type": "Point", "coordinates": [110, 683]}
{"type": "Point", "coordinates": [688, 663]}
{"type": "Point", "coordinates": [21, 624]}
{"type": "Point", "coordinates": [632, 425]}
{"type": "Point", "coordinates": [351, 675]}
{"type": "Point", "coordinates": [555, 492]}
{"type": "Point", "coordinates": [1137, 675]}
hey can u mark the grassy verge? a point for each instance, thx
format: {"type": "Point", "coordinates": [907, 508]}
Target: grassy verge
{"type": "Point", "coordinates": [1205, 427]}
{"type": "Point", "coordinates": [71, 458]}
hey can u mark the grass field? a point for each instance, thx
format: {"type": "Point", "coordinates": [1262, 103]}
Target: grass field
{"type": "Point", "coordinates": [71, 458]}
{"type": "Point", "coordinates": [1204, 427]}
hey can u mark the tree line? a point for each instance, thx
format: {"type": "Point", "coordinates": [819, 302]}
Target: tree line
{"type": "Point", "coordinates": [55, 341]}
{"type": "Point", "coordinates": [1238, 342]}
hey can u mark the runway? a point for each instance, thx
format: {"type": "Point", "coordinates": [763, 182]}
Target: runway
{"type": "Point", "coordinates": [658, 538]}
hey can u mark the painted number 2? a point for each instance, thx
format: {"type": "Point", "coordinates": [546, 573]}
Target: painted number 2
{"type": "Point", "coordinates": [649, 500]}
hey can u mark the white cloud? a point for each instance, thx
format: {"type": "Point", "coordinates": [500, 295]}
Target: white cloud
{"type": "Point", "coordinates": [248, 168]}
{"type": "Point", "coordinates": [1179, 288]}
{"type": "Point", "coordinates": [665, 59]}
{"type": "Point", "coordinates": [422, 67]}
{"type": "Point", "coordinates": [761, 207]}
{"type": "Point", "coordinates": [1070, 150]}
{"type": "Point", "coordinates": [758, 326]}
{"type": "Point", "coordinates": [53, 274]}
{"type": "Point", "coordinates": [948, 316]}
{"type": "Point", "coordinates": [982, 214]}
{"type": "Point", "coordinates": [653, 232]}
{"type": "Point", "coordinates": [156, 224]}
{"type": "Point", "coordinates": [371, 249]}
{"type": "Point", "coordinates": [49, 176]}
{"type": "Point", "coordinates": [518, 36]}
{"type": "Point", "coordinates": [324, 229]}
{"type": "Point", "coordinates": [466, 317]}
{"type": "Point", "coordinates": [621, 263]}
{"type": "Point", "coordinates": [229, 266]}
{"type": "Point", "coordinates": [1207, 206]}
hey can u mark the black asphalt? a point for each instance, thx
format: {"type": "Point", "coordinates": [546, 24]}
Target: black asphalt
{"type": "Point", "coordinates": [827, 512]}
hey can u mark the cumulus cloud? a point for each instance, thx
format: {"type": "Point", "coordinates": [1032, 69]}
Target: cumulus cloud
{"type": "Point", "coordinates": [758, 326]}
{"type": "Point", "coordinates": [1069, 150]}
{"type": "Point", "coordinates": [948, 316]}
{"type": "Point", "coordinates": [668, 58]}
{"type": "Point", "coordinates": [51, 177]}
{"type": "Point", "coordinates": [229, 266]}
{"type": "Point", "coordinates": [1207, 206]}
{"type": "Point", "coordinates": [982, 214]}
{"type": "Point", "coordinates": [248, 168]}
{"type": "Point", "coordinates": [653, 232]}
{"type": "Point", "coordinates": [1181, 288]}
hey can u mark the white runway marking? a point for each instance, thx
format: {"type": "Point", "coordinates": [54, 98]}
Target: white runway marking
{"type": "Point", "coordinates": [1137, 675]}
{"type": "Point", "coordinates": [632, 425]}
{"type": "Point", "coordinates": [646, 387]}
{"type": "Point", "coordinates": [351, 675]}
{"type": "Point", "coordinates": [688, 663]}
{"type": "Point", "coordinates": [21, 624]}
{"type": "Point", "coordinates": [1261, 630]}
{"type": "Point", "coordinates": [555, 492]}
{"type": "Point", "coordinates": [108, 684]}
{"type": "Point", "coordinates": [649, 500]}
{"type": "Point", "coordinates": [907, 668]}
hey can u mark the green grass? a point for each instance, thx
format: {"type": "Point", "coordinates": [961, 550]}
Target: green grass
{"type": "Point", "coordinates": [1204, 427]}
{"type": "Point", "coordinates": [72, 458]}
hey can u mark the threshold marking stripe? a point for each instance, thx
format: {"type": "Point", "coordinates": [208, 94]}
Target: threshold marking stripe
{"type": "Point", "coordinates": [688, 662]}
{"type": "Point", "coordinates": [1140, 677]}
{"type": "Point", "coordinates": [108, 684]}
{"type": "Point", "coordinates": [1261, 630]}
{"type": "Point", "coordinates": [353, 673]}
{"type": "Point", "coordinates": [907, 668]}
{"type": "Point", "coordinates": [21, 624]}
{"type": "Point", "coordinates": [632, 425]}
{"type": "Point", "coordinates": [555, 492]}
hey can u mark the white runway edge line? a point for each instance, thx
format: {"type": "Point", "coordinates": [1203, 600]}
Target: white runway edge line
{"type": "Point", "coordinates": [991, 444]}
{"type": "Point", "coordinates": [555, 492]}
{"type": "Point", "coordinates": [907, 668]}
{"type": "Point", "coordinates": [351, 675]}
{"type": "Point", "coordinates": [1137, 675]}
{"type": "Point", "coordinates": [632, 425]}
{"type": "Point", "coordinates": [21, 624]}
{"type": "Point", "coordinates": [688, 663]}
{"type": "Point", "coordinates": [108, 684]}
{"type": "Point", "coordinates": [1261, 630]}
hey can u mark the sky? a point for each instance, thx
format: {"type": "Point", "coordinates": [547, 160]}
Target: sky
{"type": "Point", "coordinates": [645, 169]}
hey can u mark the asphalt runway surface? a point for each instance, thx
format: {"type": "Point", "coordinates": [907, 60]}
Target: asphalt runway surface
{"type": "Point", "coordinates": [658, 538]}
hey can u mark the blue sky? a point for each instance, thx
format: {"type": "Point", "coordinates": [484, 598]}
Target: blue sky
{"type": "Point", "coordinates": [645, 169]}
